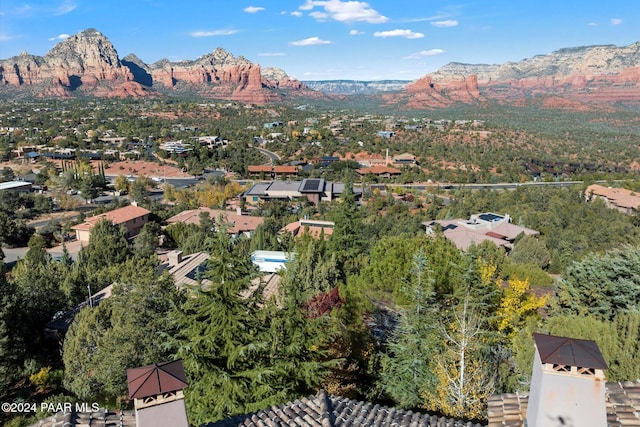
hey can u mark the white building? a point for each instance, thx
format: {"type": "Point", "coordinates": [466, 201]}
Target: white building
{"type": "Point", "coordinates": [271, 261]}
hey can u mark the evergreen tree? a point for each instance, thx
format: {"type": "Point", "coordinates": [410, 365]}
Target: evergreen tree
{"type": "Point", "coordinates": [38, 292]}
{"type": "Point", "coordinates": [218, 340]}
{"type": "Point", "coordinates": [108, 242]}
{"type": "Point", "coordinates": [603, 285]}
{"type": "Point", "coordinates": [124, 331]}
{"type": "Point", "coordinates": [406, 371]}
{"type": "Point", "coordinates": [346, 242]}
{"type": "Point", "coordinates": [11, 344]}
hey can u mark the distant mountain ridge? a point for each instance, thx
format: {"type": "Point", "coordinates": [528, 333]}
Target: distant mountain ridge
{"type": "Point", "coordinates": [352, 87]}
{"type": "Point", "coordinates": [88, 64]}
{"type": "Point", "coordinates": [567, 77]}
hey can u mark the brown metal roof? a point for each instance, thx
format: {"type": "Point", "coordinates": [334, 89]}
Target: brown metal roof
{"type": "Point", "coordinates": [156, 379]}
{"type": "Point", "coordinates": [569, 351]}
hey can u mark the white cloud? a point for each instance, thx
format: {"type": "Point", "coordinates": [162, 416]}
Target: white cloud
{"type": "Point", "coordinates": [320, 16]}
{"type": "Point", "coordinates": [423, 53]}
{"type": "Point", "coordinates": [296, 13]}
{"type": "Point", "coordinates": [253, 9]}
{"type": "Point", "coordinates": [59, 37]}
{"type": "Point", "coordinates": [213, 33]}
{"type": "Point", "coordinates": [592, 24]}
{"type": "Point", "coordinates": [308, 5]}
{"type": "Point", "coordinates": [346, 11]}
{"type": "Point", "coordinates": [272, 54]}
{"type": "Point", "coordinates": [66, 7]}
{"type": "Point", "coordinates": [447, 23]}
{"type": "Point", "coordinates": [309, 42]}
{"type": "Point", "coordinates": [399, 33]}
{"type": "Point", "coordinates": [616, 21]}
{"type": "Point", "coordinates": [355, 32]}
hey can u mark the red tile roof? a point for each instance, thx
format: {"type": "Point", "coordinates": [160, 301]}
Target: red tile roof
{"type": "Point", "coordinates": [276, 169]}
{"type": "Point", "coordinates": [618, 196]}
{"type": "Point", "coordinates": [117, 216]}
{"type": "Point", "coordinates": [240, 223]}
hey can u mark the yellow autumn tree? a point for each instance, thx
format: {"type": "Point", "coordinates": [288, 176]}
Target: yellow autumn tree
{"type": "Point", "coordinates": [516, 305]}
{"type": "Point", "coordinates": [463, 383]}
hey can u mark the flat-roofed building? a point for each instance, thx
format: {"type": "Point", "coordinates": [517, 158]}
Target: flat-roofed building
{"type": "Point", "coordinates": [313, 190]}
{"type": "Point", "coordinates": [15, 186]}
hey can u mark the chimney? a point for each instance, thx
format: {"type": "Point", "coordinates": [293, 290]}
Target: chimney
{"type": "Point", "coordinates": [175, 258]}
{"type": "Point", "coordinates": [158, 396]}
{"type": "Point", "coordinates": [134, 203]}
{"type": "Point", "coordinates": [567, 383]}
{"type": "Point", "coordinates": [239, 210]}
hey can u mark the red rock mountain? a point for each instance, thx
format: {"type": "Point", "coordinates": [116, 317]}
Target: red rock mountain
{"type": "Point", "coordinates": [87, 63]}
{"type": "Point", "coordinates": [566, 78]}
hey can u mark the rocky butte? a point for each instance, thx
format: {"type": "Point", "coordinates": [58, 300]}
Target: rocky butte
{"type": "Point", "coordinates": [568, 78]}
{"type": "Point", "coordinates": [88, 64]}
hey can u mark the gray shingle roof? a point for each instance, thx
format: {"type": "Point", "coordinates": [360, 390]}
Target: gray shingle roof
{"type": "Point", "coordinates": [323, 410]}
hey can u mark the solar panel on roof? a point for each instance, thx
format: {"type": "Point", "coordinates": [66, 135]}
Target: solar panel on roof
{"type": "Point", "coordinates": [311, 185]}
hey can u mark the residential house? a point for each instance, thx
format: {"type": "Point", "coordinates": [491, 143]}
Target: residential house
{"type": "Point", "coordinates": [189, 271]}
{"type": "Point", "coordinates": [626, 201]}
{"type": "Point", "coordinates": [272, 125]}
{"type": "Point", "coordinates": [385, 133]}
{"type": "Point", "coordinates": [312, 190]}
{"type": "Point", "coordinates": [132, 218]}
{"type": "Point", "coordinates": [210, 141]}
{"type": "Point", "coordinates": [479, 228]}
{"type": "Point", "coordinates": [57, 327]}
{"type": "Point", "coordinates": [15, 186]}
{"type": "Point", "coordinates": [379, 171]}
{"type": "Point", "coordinates": [404, 159]}
{"type": "Point", "coordinates": [312, 227]}
{"type": "Point", "coordinates": [236, 222]}
{"type": "Point", "coordinates": [176, 147]}
{"type": "Point", "coordinates": [286, 171]}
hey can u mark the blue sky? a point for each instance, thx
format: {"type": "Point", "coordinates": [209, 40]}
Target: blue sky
{"type": "Point", "coordinates": [326, 39]}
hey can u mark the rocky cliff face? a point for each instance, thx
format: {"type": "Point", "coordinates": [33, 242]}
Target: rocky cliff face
{"type": "Point", "coordinates": [87, 62]}
{"type": "Point", "coordinates": [579, 75]}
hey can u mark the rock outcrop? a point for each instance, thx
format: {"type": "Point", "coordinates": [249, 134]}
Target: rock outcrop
{"type": "Point", "coordinates": [580, 76]}
{"type": "Point", "coordinates": [88, 63]}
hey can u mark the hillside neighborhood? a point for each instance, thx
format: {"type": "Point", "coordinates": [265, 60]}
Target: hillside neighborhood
{"type": "Point", "coordinates": [215, 243]}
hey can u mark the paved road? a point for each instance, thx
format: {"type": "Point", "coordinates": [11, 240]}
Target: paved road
{"type": "Point", "coordinates": [11, 255]}
{"type": "Point", "coordinates": [273, 157]}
